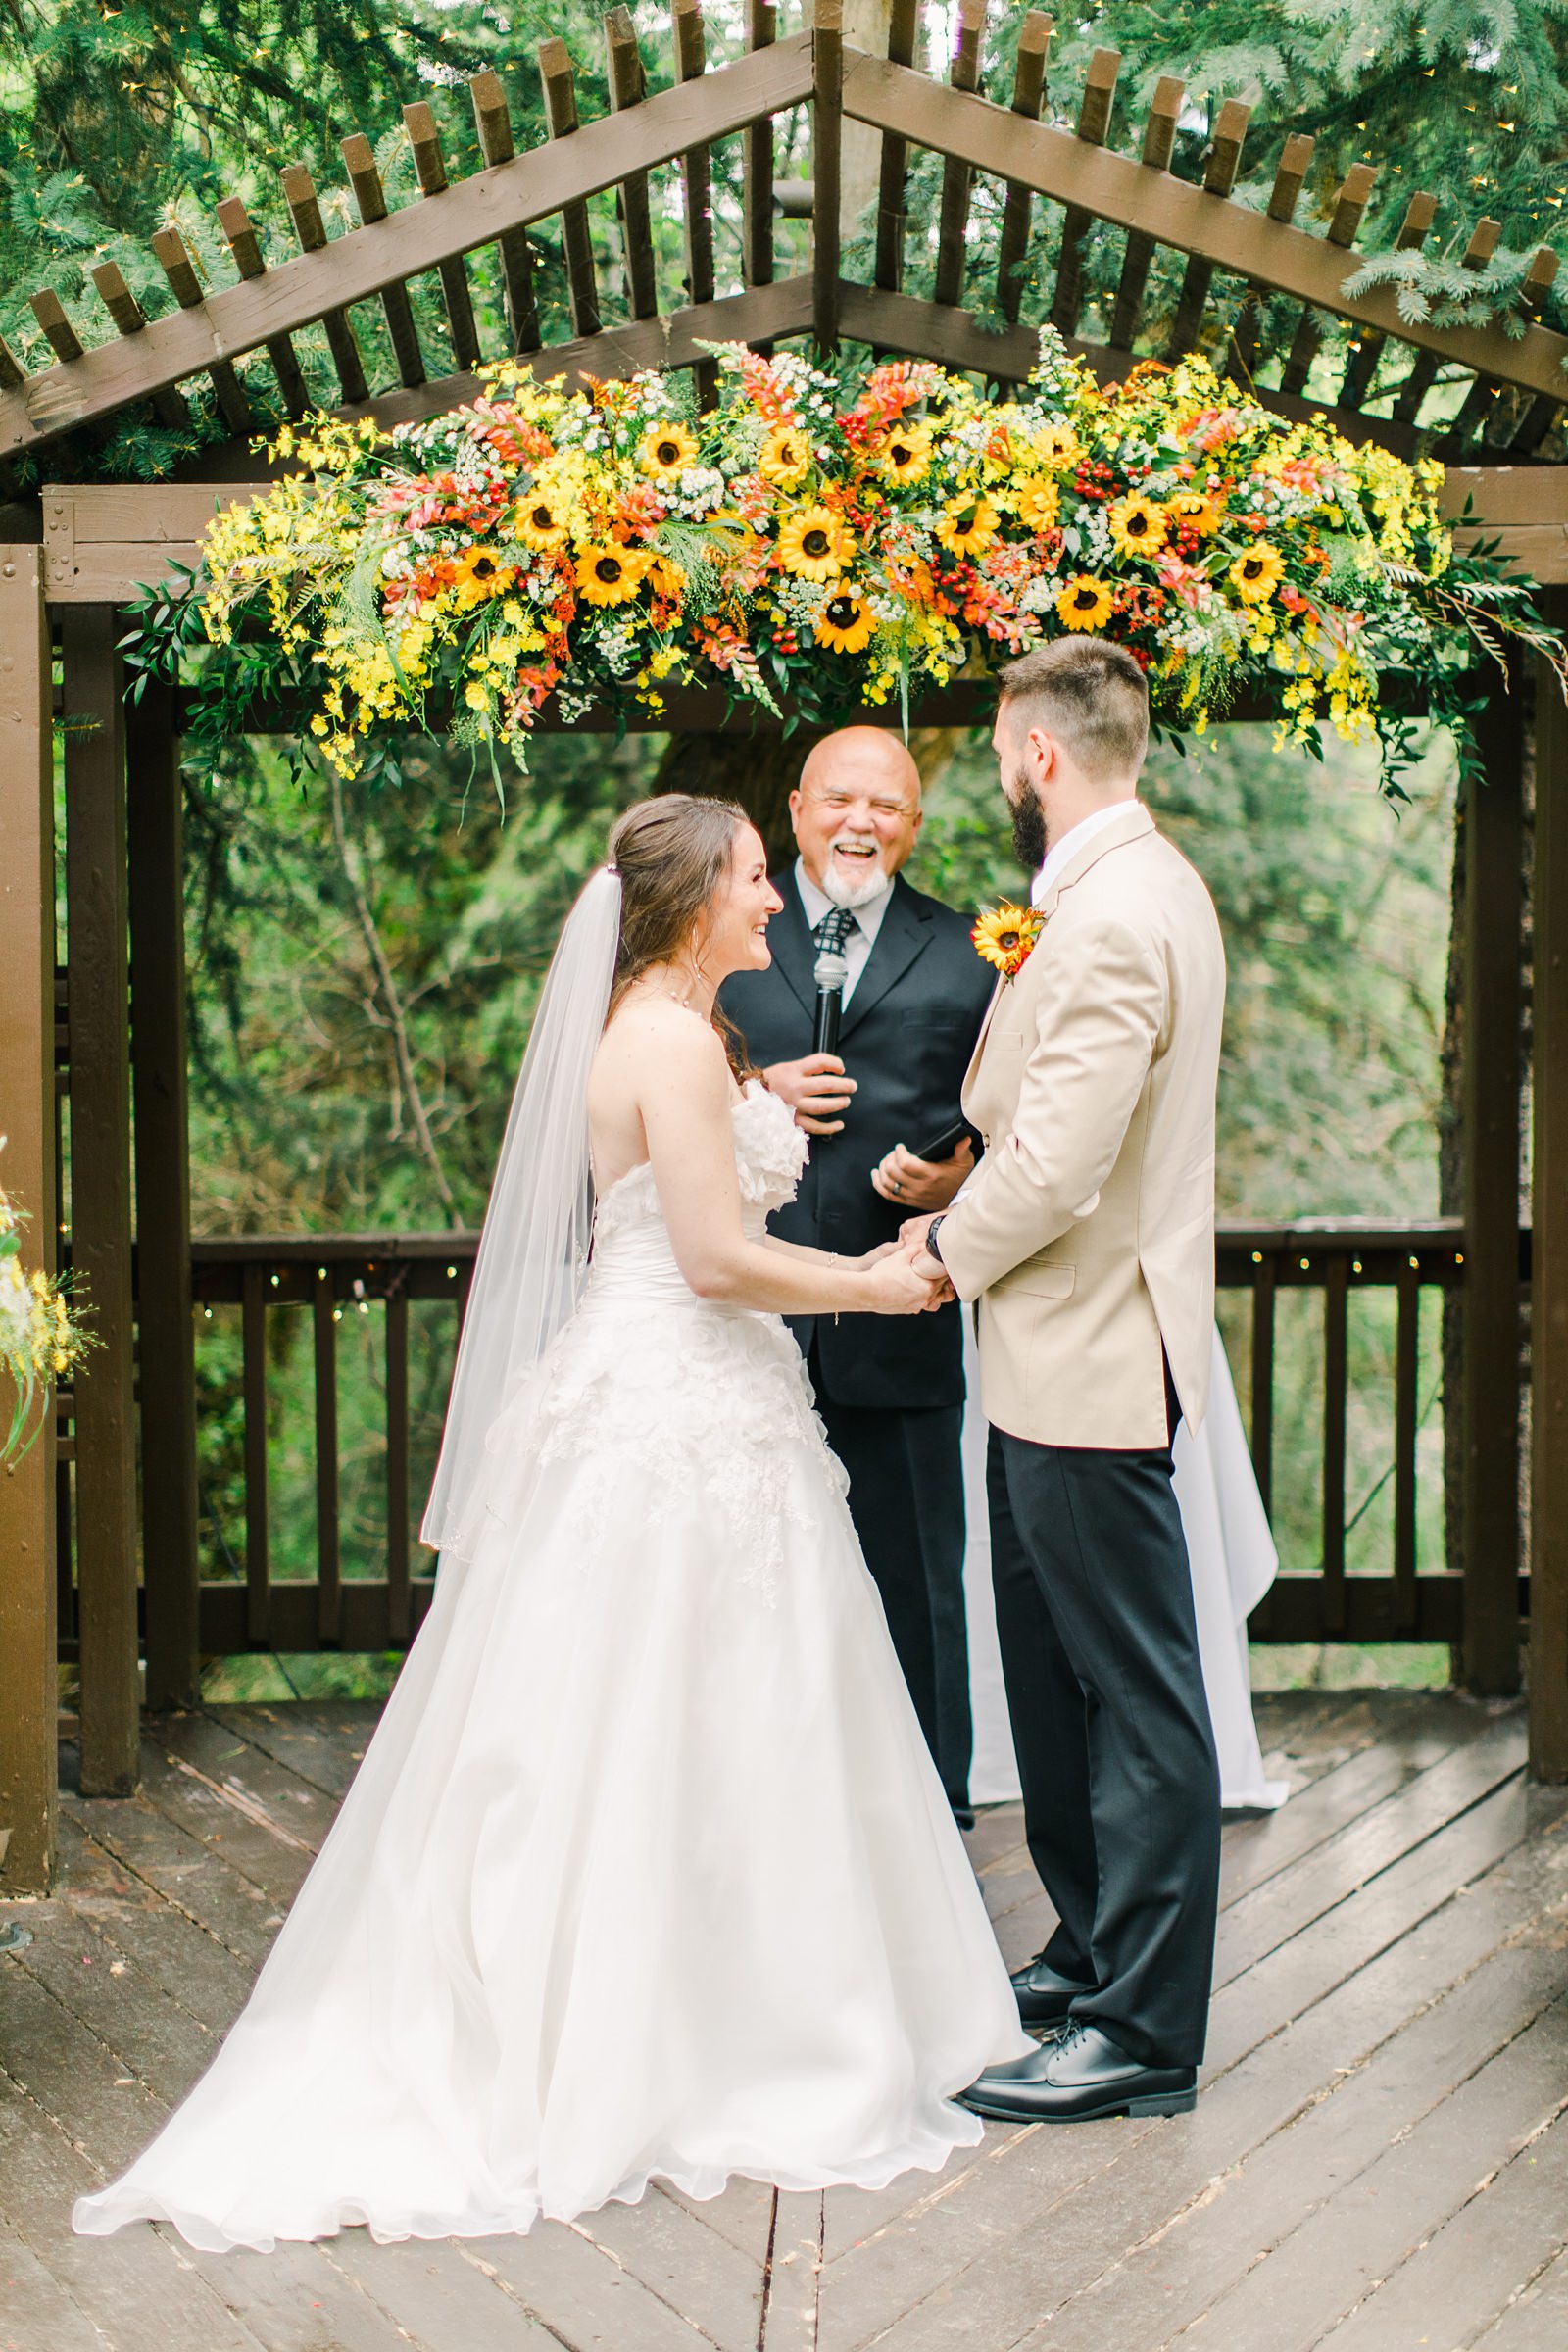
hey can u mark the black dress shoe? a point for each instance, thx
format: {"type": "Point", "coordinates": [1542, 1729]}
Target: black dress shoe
{"type": "Point", "coordinates": [1079, 2079]}
{"type": "Point", "coordinates": [963, 1815]}
{"type": "Point", "coordinates": [1045, 1996]}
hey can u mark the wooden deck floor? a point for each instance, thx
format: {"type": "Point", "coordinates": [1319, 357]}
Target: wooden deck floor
{"type": "Point", "coordinates": [1379, 2160]}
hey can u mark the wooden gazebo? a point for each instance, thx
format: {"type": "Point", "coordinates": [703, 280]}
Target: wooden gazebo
{"type": "Point", "coordinates": [106, 1030]}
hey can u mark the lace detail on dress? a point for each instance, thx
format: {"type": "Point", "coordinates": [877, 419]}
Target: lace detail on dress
{"type": "Point", "coordinates": [655, 1395]}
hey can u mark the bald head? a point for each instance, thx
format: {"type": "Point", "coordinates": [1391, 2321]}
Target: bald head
{"type": "Point", "coordinates": [857, 812]}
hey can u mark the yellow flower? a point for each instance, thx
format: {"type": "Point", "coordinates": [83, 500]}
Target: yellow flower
{"type": "Point", "coordinates": [845, 622]}
{"type": "Point", "coordinates": [1193, 511]}
{"type": "Point", "coordinates": [1005, 936]}
{"type": "Point", "coordinates": [480, 574]}
{"type": "Point", "coordinates": [1084, 604]}
{"type": "Point", "coordinates": [667, 578]}
{"type": "Point", "coordinates": [1039, 502]}
{"type": "Point", "coordinates": [541, 522]}
{"type": "Point", "coordinates": [666, 450]}
{"type": "Point", "coordinates": [477, 696]}
{"type": "Point", "coordinates": [903, 457]}
{"type": "Point", "coordinates": [1057, 446]}
{"type": "Point", "coordinates": [786, 456]}
{"type": "Point", "coordinates": [1256, 574]}
{"type": "Point", "coordinates": [608, 573]}
{"type": "Point", "coordinates": [812, 544]}
{"type": "Point", "coordinates": [968, 526]}
{"type": "Point", "coordinates": [1137, 525]}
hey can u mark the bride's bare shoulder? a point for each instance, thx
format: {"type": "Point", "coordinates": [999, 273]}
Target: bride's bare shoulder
{"type": "Point", "coordinates": [653, 1035]}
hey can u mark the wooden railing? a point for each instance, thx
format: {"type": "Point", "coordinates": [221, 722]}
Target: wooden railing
{"type": "Point", "coordinates": [366, 1594]}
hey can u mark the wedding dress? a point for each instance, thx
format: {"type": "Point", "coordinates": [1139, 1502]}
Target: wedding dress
{"type": "Point", "coordinates": [646, 1871]}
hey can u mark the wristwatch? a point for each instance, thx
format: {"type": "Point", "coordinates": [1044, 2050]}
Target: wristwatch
{"type": "Point", "coordinates": [931, 1232]}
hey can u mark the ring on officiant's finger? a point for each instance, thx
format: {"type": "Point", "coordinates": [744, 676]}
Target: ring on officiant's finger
{"type": "Point", "coordinates": [897, 1186]}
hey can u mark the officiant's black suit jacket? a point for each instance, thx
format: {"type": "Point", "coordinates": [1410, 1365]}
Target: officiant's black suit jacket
{"type": "Point", "coordinates": [908, 1033]}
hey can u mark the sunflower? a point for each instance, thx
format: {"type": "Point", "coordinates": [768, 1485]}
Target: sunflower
{"type": "Point", "coordinates": [1192, 510]}
{"type": "Point", "coordinates": [845, 622]}
{"type": "Point", "coordinates": [541, 522]}
{"type": "Point", "coordinates": [1039, 502]}
{"type": "Point", "coordinates": [1256, 574]}
{"type": "Point", "coordinates": [608, 573]}
{"type": "Point", "coordinates": [1137, 525]}
{"type": "Point", "coordinates": [968, 526]}
{"type": "Point", "coordinates": [667, 579]}
{"type": "Point", "coordinates": [903, 457]}
{"type": "Point", "coordinates": [480, 574]}
{"type": "Point", "coordinates": [1057, 446]}
{"type": "Point", "coordinates": [1084, 604]}
{"type": "Point", "coordinates": [786, 456]}
{"type": "Point", "coordinates": [666, 450]}
{"type": "Point", "coordinates": [812, 544]}
{"type": "Point", "coordinates": [1006, 935]}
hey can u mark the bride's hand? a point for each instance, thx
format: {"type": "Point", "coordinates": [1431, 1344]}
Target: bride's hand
{"type": "Point", "coordinates": [894, 1287]}
{"type": "Point", "coordinates": [875, 1257]}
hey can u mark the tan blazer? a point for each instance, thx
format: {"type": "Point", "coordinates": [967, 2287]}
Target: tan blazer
{"type": "Point", "coordinates": [1088, 1231]}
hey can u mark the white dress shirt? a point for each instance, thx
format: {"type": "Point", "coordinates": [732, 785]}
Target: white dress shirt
{"type": "Point", "coordinates": [861, 938]}
{"type": "Point", "coordinates": [1076, 838]}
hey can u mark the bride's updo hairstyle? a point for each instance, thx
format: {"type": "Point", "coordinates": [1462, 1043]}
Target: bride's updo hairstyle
{"type": "Point", "coordinates": [673, 855]}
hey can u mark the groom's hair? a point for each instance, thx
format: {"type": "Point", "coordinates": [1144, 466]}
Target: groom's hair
{"type": "Point", "coordinates": [1091, 695]}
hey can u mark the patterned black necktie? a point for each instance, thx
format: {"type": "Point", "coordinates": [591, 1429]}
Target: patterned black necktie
{"type": "Point", "coordinates": [833, 930]}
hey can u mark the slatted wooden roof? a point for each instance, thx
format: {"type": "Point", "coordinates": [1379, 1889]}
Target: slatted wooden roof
{"type": "Point", "coordinates": [1052, 185]}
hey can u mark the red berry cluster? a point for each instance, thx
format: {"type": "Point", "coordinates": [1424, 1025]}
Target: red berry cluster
{"type": "Point", "coordinates": [1094, 478]}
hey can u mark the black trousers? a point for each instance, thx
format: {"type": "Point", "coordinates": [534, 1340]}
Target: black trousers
{"type": "Point", "coordinates": [907, 1501]}
{"type": "Point", "coordinates": [1111, 1727]}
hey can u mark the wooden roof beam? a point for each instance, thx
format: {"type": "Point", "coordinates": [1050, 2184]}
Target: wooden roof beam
{"type": "Point", "coordinates": [1479, 400]}
{"type": "Point", "coordinates": [474, 212]}
{"type": "Point", "coordinates": [1159, 144]}
{"type": "Point", "coordinates": [1113, 187]}
{"type": "Point", "coordinates": [561, 119]}
{"type": "Point", "coordinates": [1028, 97]}
{"type": "Point", "coordinates": [1290, 177]}
{"type": "Point", "coordinates": [169, 253]}
{"type": "Point", "coordinates": [50, 313]}
{"type": "Point", "coordinates": [696, 183]}
{"type": "Point", "coordinates": [628, 87]}
{"type": "Point", "coordinates": [299, 194]}
{"type": "Point", "coordinates": [1366, 349]}
{"type": "Point", "coordinates": [1219, 178]}
{"type": "Point", "coordinates": [246, 247]}
{"type": "Point", "coordinates": [1094, 121]}
{"type": "Point", "coordinates": [827, 149]}
{"type": "Point", "coordinates": [131, 319]}
{"type": "Point", "coordinates": [359, 160]}
{"type": "Point", "coordinates": [903, 23]}
{"type": "Point", "coordinates": [492, 120]}
{"type": "Point", "coordinates": [957, 178]}
{"type": "Point", "coordinates": [1349, 207]}
{"type": "Point", "coordinates": [430, 166]}
{"type": "Point", "coordinates": [1424, 367]}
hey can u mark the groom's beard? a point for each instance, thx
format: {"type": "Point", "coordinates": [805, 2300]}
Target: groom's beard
{"type": "Point", "coordinates": [1028, 829]}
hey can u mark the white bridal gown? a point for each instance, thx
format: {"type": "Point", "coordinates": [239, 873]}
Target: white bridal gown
{"type": "Point", "coordinates": [646, 1871]}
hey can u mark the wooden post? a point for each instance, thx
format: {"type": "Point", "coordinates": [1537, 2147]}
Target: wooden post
{"type": "Point", "coordinates": [167, 1365]}
{"type": "Point", "coordinates": [97, 917]}
{"type": "Point", "coordinates": [28, 1690]}
{"type": "Point", "coordinates": [827, 144]}
{"type": "Point", "coordinates": [1548, 1317]}
{"type": "Point", "coordinates": [1491, 811]}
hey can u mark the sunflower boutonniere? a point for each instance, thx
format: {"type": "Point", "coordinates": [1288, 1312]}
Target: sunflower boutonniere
{"type": "Point", "coordinates": [1005, 936]}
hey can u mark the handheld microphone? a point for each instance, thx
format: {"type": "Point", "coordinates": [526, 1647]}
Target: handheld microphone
{"type": "Point", "coordinates": [831, 973]}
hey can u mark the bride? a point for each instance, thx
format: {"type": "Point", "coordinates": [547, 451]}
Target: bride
{"type": "Point", "coordinates": [647, 1871]}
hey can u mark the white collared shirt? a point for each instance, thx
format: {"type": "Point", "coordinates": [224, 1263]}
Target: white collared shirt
{"type": "Point", "coordinates": [1071, 842]}
{"type": "Point", "coordinates": [863, 935]}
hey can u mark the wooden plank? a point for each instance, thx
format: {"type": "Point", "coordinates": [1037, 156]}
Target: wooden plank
{"type": "Point", "coordinates": [756, 167]}
{"type": "Point", "coordinates": [712, 2284]}
{"type": "Point", "coordinates": [130, 320]}
{"type": "Point", "coordinates": [441, 2294]}
{"type": "Point", "coordinates": [1479, 402]}
{"type": "Point", "coordinates": [1538, 2320]}
{"type": "Point", "coordinates": [1491, 811]}
{"type": "Point", "coordinates": [1548, 1299]}
{"type": "Point", "coordinates": [329, 1622]}
{"type": "Point", "coordinates": [1366, 349]}
{"type": "Point", "coordinates": [1424, 367]}
{"type": "Point", "coordinates": [1028, 97]}
{"type": "Point", "coordinates": [252, 1391]}
{"type": "Point", "coordinates": [1094, 121]}
{"type": "Point", "coordinates": [492, 124]}
{"type": "Point", "coordinates": [1349, 205]}
{"type": "Point", "coordinates": [246, 247]}
{"type": "Point", "coordinates": [957, 178]}
{"type": "Point", "coordinates": [397, 1465]}
{"type": "Point", "coordinates": [1407, 1423]}
{"type": "Point", "coordinates": [827, 141]}
{"type": "Point", "coordinates": [792, 2313]}
{"type": "Point", "coordinates": [288, 1805]}
{"type": "Point", "coordinates": [173, 259]}
{"type": "Point", "coordinates": [628, 87]}
{"type": "Point", "coordinates": [359, 161]}
{"type": "Point", "coordinates": [697, 186]}
{"type": "Point", "coordinates": [190, 1874]}
{"type": "Point", "coordinates": [1289, 175]}
{"type": "Point", "coordinates": [299, 194]}
{"type": "Point", "coordinates": [585, 2296]}
{"type": "Point", "coordinates": [321, 1743]}
{"type": "Point", "coordinates": [904, 17]}
{"type": "Point", "coordinates": [560, 117]}
{"type": "Point", "coordinates": [28, 1681]}
{"type": "Point", "coordinates": [1335, 1400]}
{"type": "Point", "coordinates": [1113, 187]}
{"type": "Point", "coordinates": [1219, 178]}
{"type": "Point", "coordinates": [424, 139]}
{"type": "Point", "coordinates": [166, 1357]}
{"type": "Point", "coordinates": [209, 1982]}
{"type": "Point", "coordinates": [96, 899]}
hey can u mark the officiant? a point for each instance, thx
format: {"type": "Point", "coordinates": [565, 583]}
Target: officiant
{"type": "Point", "coordinates": [912, 997]}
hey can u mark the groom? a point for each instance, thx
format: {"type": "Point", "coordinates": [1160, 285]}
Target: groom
{"type": "Point", "coordinates": [1087, 1234]}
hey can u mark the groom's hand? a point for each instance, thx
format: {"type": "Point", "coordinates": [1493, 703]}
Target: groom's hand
{"type": "Point", "coordinates": [911, 1241]}
{"type": "Point", "coordinates": [921, 1184]}
{"type": "Point", "coordinates": [816, 1089]}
